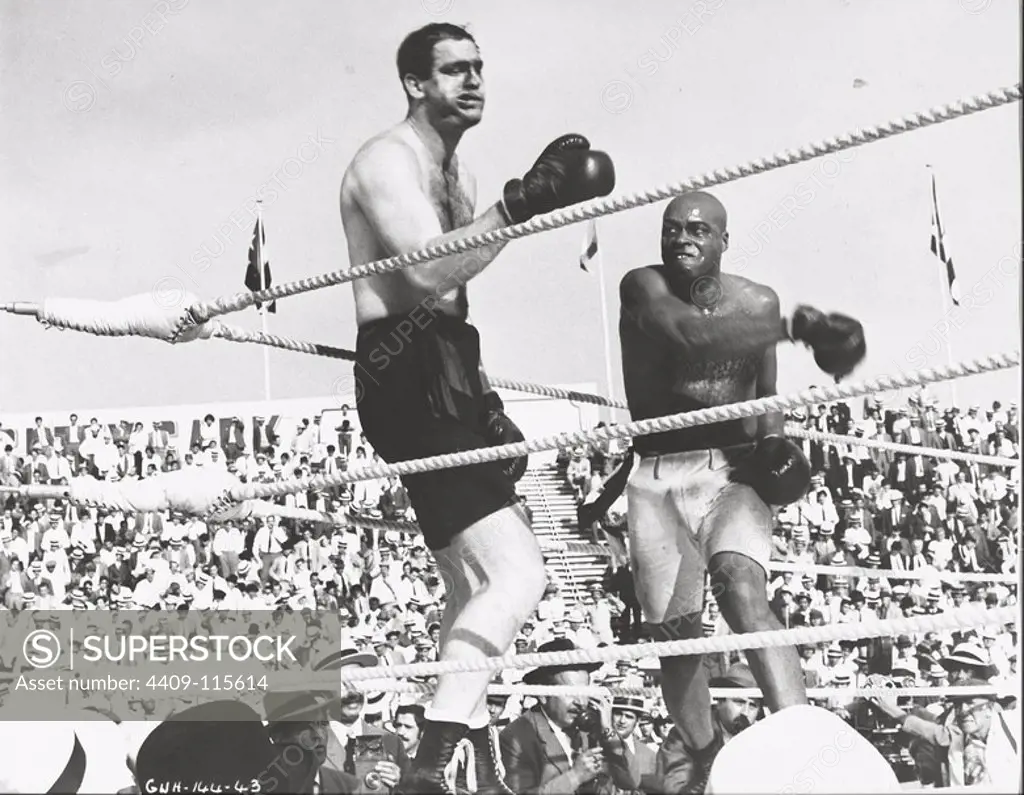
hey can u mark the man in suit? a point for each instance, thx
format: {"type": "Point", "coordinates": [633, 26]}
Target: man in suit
{"type": "Point", "coordinates": [558, 747]}
{"type": "Point", "coordinates": [674, 768]}
{"type": "Point", "coordinates": [642, 761]}
{"type": "Point", "coordinates": [893, 519]}
{"type": "Point", "coordinates": [847, 476]}
{"type": "Point", "coordinates": [346, 724]}
{"type": "Point", "coordinates": [299, 729]}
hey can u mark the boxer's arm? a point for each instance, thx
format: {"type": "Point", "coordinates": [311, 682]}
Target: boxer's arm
{"type": "Point", "coordinates": [771, 424]}
{"type": "Point", "coordinates": [649, 304]}
{"type": "Point", "coordinates": [388, 191]}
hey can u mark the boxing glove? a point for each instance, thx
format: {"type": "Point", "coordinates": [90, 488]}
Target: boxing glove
{"type": "Point", "coordinates": [499, 429]}
{"type": "Point", "coordinates": [567, 172]}
{"type": "Point", "coordinates": [837, 340]}
{"type": "Point", "coordinates": [777, 470]}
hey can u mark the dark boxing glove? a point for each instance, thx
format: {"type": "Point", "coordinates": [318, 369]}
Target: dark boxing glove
{"type": "Point", "coordinates": [567, 172]}
{"type": "Point", "coordinates": [837, 340]}
{"type": "Point", "coordinates": [499, 429]}
{"type": "Point", "coordinates": [778, 471]}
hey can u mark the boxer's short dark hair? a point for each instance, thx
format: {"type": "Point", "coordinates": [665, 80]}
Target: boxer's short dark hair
{"type": "Point", "coordinates": [416, 52]}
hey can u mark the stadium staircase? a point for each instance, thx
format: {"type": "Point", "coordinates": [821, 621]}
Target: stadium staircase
{"type": "Point", "coordinates": [554, 520]}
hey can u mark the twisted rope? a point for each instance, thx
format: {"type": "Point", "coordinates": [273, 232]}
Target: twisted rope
{"type": "Point", "coordinates": [205, 310]}
{"type": "Point", "coordinates": [734, 411]}
{"type": "Point", "coordinates": [969, 616]}
{"type": "Point", "coordinates": [583, 548]}
{"type": "Point", "coordinates": [892, 574]}
{"type": "Point", "coordinates": [235, 334]}
{"type": "Point", "coordinates": [601, 691]}
{"type": "Point", "coordinates": [854, 441]}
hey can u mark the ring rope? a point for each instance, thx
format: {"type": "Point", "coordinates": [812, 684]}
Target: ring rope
{"type": "Point", "coordinates": [235, 334]}
{"type": "Point", "coordinates": [892, 574]}
{"type": "Point", "coordinates": [601, 691]}
{"type": "Point", "coordinates": [750, 408]}
{"type": "Point", "coordinates": [964, 617]}
{"type": "Point", "coordinates": [934, 452]}
{"type": "Point", "coordinates": [205, 310]}
{"type": "Point", "coordinates": [583, 548]}
{"type": "Point", "coordinates": [215, 498]}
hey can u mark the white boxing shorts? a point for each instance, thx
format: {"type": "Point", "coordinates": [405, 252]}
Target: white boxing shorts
{"type": "Point", "coordinates": [683, 510]}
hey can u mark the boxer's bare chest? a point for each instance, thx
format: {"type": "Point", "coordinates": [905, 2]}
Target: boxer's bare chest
{"type": "Point", "coordinates": [714, 382]}
{"type": "Point", "coordinates": [454, 209]}
{"type": "Point", "coordinates": [709, 377]}
{"type": "Point", "coordinates": [448, 196]}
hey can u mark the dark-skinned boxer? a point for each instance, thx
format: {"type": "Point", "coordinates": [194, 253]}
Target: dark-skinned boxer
{"type": "Point", "coordinates": [700, 498]}
{"type": "Point", "coordinates": [421, 385]}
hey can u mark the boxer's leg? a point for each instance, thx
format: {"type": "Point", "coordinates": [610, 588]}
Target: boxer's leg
{"type": "Point", "coordinates": [736, 541]}
{"type": "Point", "coordinates": [496, 572]}
{"type": "Point", "coordinates": [669, 584]}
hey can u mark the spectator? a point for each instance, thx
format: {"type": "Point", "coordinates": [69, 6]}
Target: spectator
{"type": "Point", "coordinates": [539, 749]}
{"type": "Point", "coordinates": [675, 766]}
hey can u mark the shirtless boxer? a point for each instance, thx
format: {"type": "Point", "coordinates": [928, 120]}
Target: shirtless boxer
{"type": "Point", "coordinates": [699, 499]}
{"type": "Point", "coordinates": [423, 388]}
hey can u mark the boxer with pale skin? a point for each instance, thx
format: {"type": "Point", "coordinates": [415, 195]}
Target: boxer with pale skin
{"type": "Point", "coordinates": [423, 388]}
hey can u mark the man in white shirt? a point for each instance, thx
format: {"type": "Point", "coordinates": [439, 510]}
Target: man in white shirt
{"type": "Point", "coordinates": [56, 536]}
{"type": "Point", "coordinates": [267, 543]}
{"type": "Point", "coordinates": [209, 431]}
{"type": "Point", "coordinates": [228, 544]}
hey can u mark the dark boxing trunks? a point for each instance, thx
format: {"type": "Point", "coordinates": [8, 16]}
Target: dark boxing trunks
{"type": "Point", "coordinates": [421, 395]}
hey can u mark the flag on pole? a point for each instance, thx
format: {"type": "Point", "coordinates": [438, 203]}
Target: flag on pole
{"type": "Point", "coordinates": [939, 247]}
{"type": "Point", "coordinates": [257, 257]}
{"type": "Point", "coordinates": [589, 251]}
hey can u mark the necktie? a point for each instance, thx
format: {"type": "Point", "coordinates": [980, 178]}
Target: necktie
{"type": "Point", "coordinates": [974, 762]}
{"type": "Point", "coordinates": [350, 749]}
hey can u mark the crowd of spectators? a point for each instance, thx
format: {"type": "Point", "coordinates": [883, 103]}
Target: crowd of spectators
{"type": "Point", "coordinates": [867, 508]}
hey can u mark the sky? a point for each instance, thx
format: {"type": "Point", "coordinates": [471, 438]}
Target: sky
{"type": "Point", "coordinates": [136, 134]}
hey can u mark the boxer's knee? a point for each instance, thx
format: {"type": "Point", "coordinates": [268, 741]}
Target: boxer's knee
{"type": "Point", "coordinates": [676, 625]}
{"type": "Point", "coordinates": [739, 585]}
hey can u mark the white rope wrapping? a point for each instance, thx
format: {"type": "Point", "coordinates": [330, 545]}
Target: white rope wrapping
{"type": "Point", "coordinates": [201, 312]}
{"type": "Point", "coordinates": [968, 616]}
{"type": "Point", "coordinates": [193, 491]}
{"type": "Point", "coordinates": [137, 315]}
{"type": "Point", "coordinates": [734, 411]}
{"type": "Point", "coordinates": [895, 447]}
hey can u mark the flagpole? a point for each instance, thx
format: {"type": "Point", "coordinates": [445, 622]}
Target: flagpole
{"type": "Point", "coordinates": [943, 284]}
{"type": "Point", "coordinates": [263, 309]}
{"type": "Point", "coordinates": [604, 326]}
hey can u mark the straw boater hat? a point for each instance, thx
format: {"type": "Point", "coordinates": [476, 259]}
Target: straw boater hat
{"type": "Point", "coordinates": [971, 656]}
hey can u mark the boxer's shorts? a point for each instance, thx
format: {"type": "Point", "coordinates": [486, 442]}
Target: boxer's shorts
{"type": "Point", "coordinates": [683, 510]}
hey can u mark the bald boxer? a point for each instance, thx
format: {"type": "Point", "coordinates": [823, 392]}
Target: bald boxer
{"type": "Point", "coordinates": [421, 383]}
{"type": "Point", "coordinates": [700, 499]}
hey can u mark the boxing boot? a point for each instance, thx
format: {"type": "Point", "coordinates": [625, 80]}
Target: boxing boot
{"type": "Point", "coordinates": [488, 779]}
{"type": "Point", "coordinates": [437, 746]}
